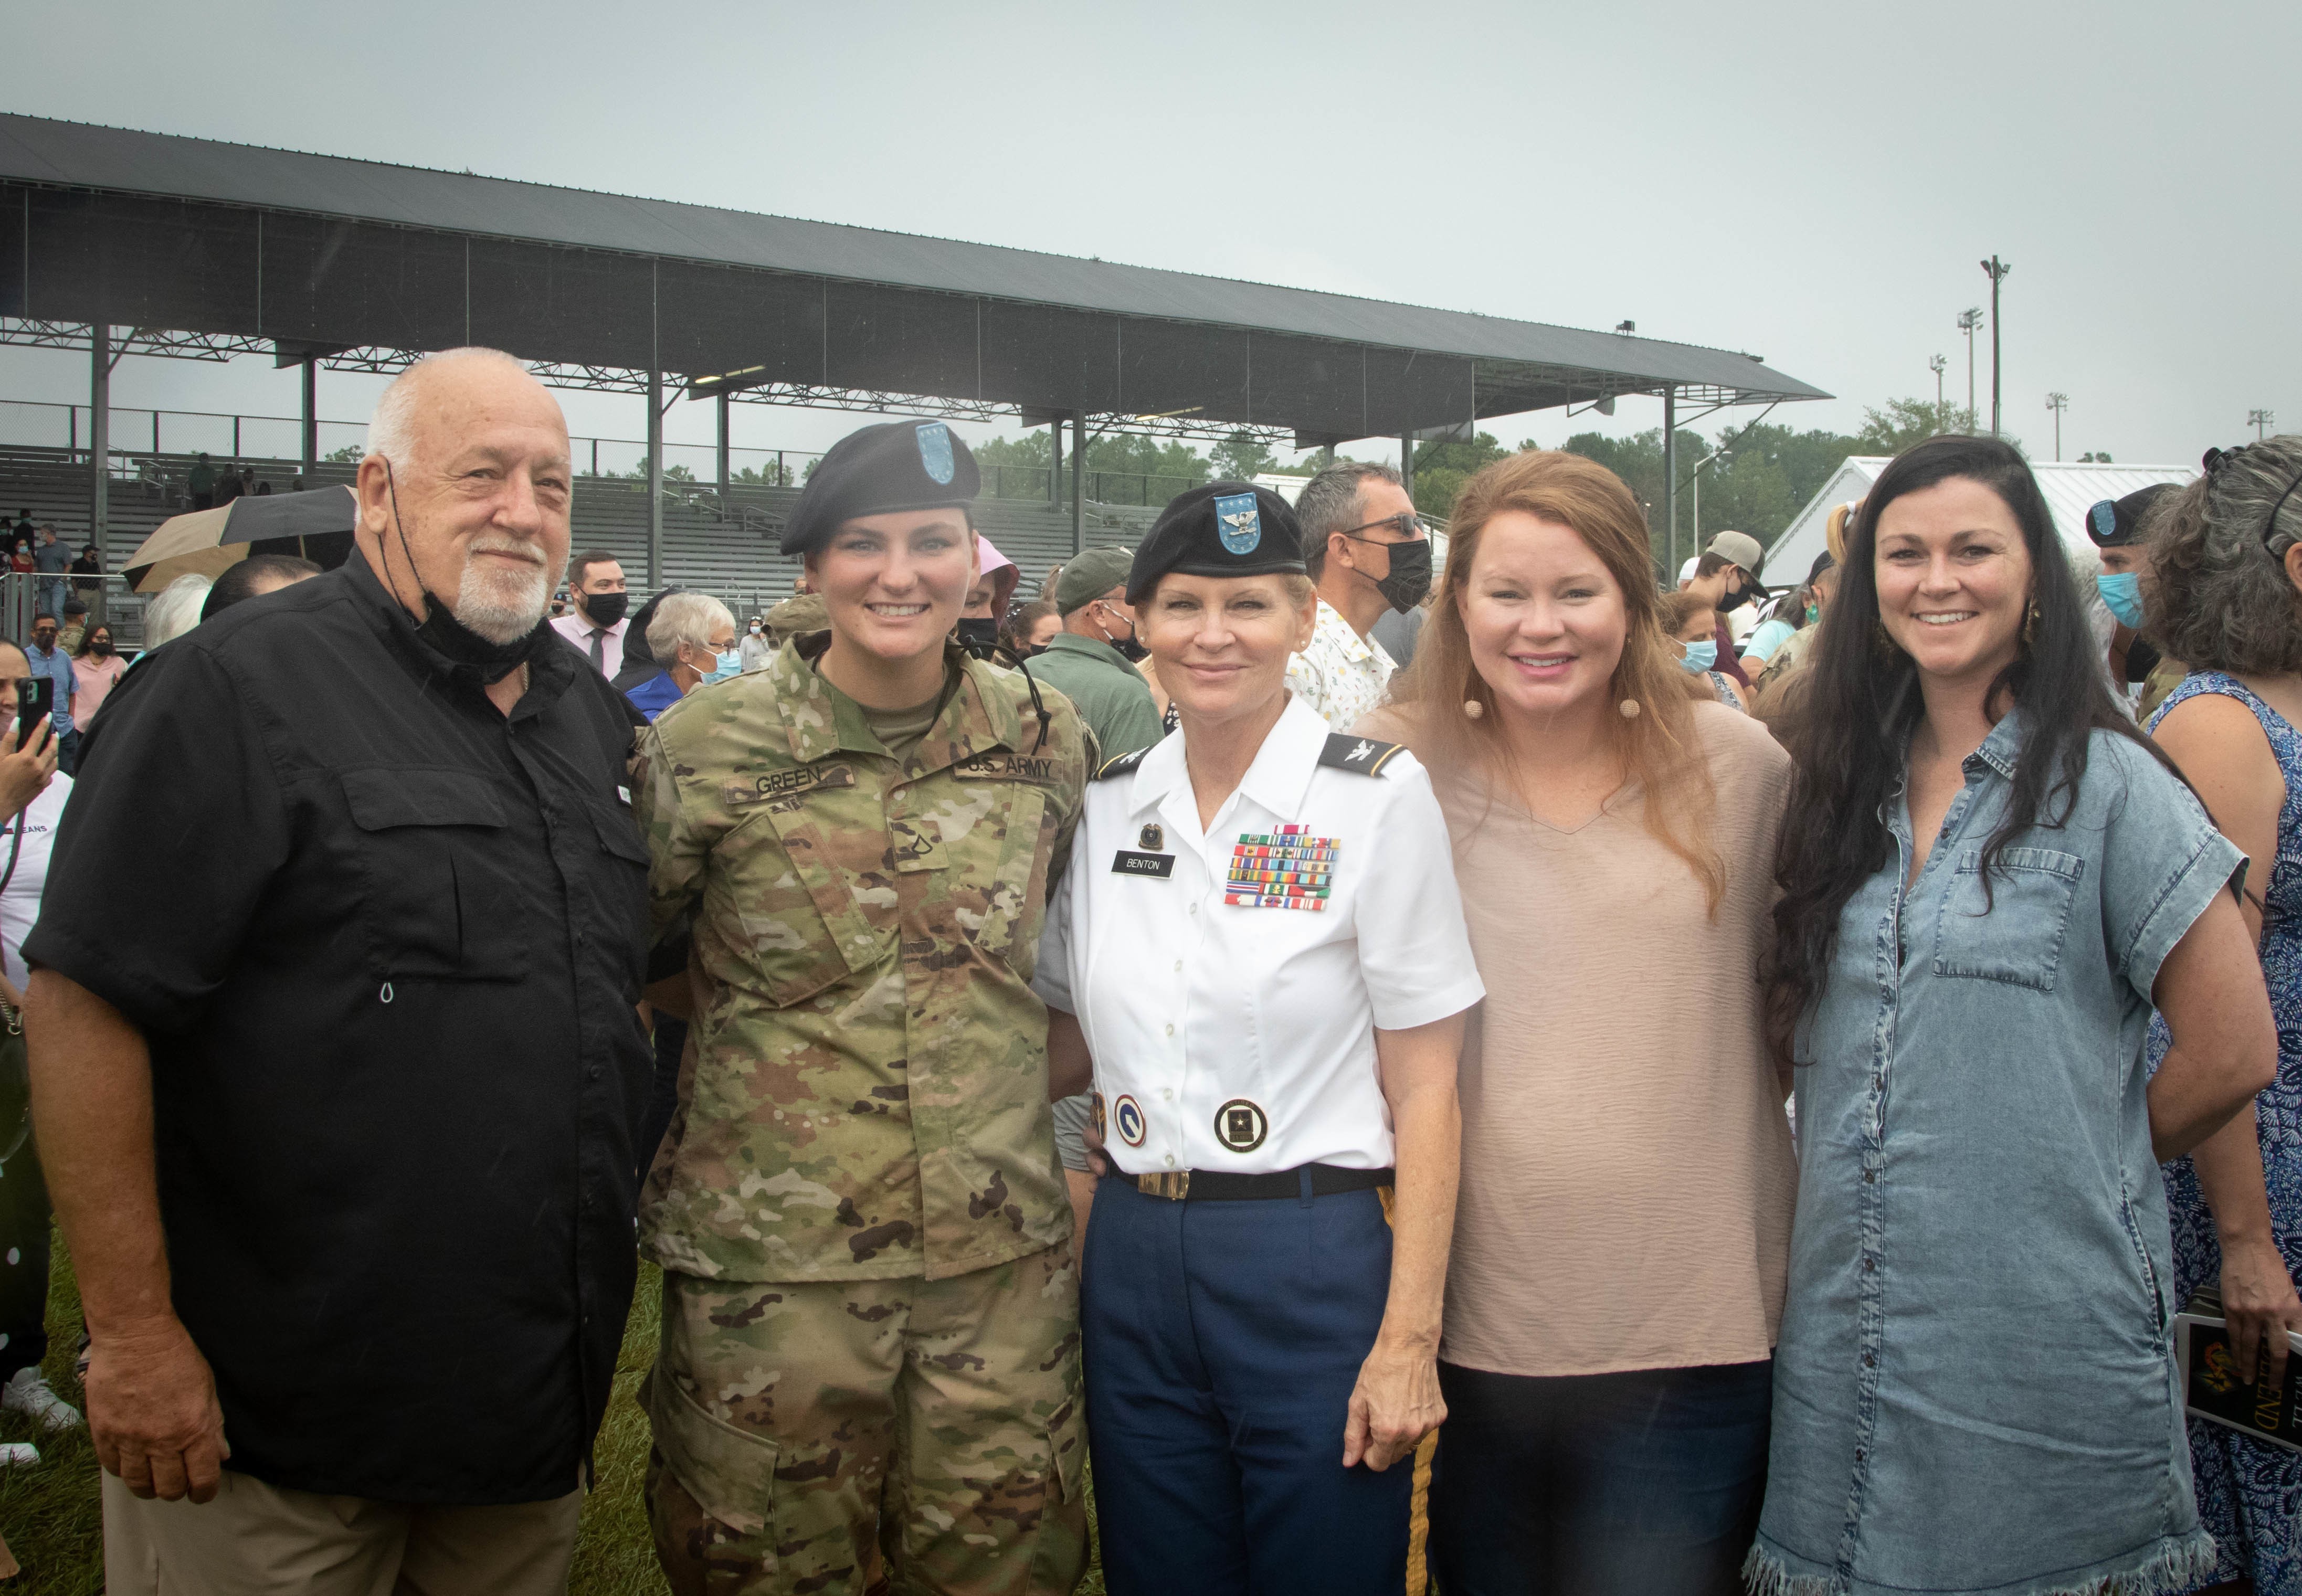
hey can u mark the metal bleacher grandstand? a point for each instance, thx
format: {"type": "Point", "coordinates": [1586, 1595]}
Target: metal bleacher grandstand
{"type": "Point", "coordinates": [724, 545]}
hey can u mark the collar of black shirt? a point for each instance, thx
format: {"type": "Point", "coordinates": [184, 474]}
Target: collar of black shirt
{"type": "Point", "coordinates": [551, 660]}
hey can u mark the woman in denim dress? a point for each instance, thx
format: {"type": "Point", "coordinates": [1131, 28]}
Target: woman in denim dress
{"type": "Point", "coordinates": [1987, 876]}
{"type": "Point", "coordinates": [2225, 561]}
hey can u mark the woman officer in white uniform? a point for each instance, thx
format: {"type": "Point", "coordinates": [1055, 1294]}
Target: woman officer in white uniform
{"type": "Point", "coordinates": [1261, 949]}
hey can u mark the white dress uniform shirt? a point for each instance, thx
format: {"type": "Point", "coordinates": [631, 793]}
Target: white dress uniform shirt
{"type": "Point", "coordinates": [1340, 675]}
{"type": "Point", "coordinates": [577, 628]}
{"type": "Point", "coordinates": [1233, 1028]}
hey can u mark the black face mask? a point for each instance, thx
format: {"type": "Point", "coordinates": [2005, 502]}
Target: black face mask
{"type": "Point", "coordinates": [605, 608]}
{"type": "Point", "coordinates": [1130, 647]}
{"type": "Point", "coordinates": [979, 635]}
{"type": "Point", "coordinates": [494, 661]}
{"type": "Point", "coordinates": [1409, 580]}
{"type": "Point", "coordinates": [1735, 600]}
{"type": "Point", "coordinates": [100, 647]}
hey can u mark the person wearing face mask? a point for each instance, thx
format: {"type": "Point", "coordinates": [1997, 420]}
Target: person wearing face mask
{"type": "Point", "coordinates": [1261, 955]}
{"type": "Point", "coordinates": [596, 622]}
{"type": "Point", "coordinates": [869, 1353]}
{"type": "Point", "coordinates": [2115, 527]}
{"type": "Point", "coordinates": [1726, 577]}
{"type": "Point", "coordinates": [1089, 661]}
{"type": "Point", "coordinates": [694, 638]}
{"type": "Point", "coordinates": [96, 667]}
{"type": "Point", "coordinates": [1693, 626]}
{"type": "Point", "coordinates": [753, 645]}
{"type": "Point", "coordinates": [1369, 554]}
{"type": "Point", "coordinates": [384, 1021]}
{"type": "Point", "coordinates": [987, 598]}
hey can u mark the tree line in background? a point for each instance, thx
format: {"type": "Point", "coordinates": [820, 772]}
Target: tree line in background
{"type": "Point", "coordinates": [1765, 479]}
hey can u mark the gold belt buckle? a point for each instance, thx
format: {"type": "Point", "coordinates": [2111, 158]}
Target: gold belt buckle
{"type": "Point", "coordinates": [1175, 1187]}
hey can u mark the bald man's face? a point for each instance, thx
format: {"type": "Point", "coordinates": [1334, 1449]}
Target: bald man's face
{"type": "Point", "coordinates": [483, 501]}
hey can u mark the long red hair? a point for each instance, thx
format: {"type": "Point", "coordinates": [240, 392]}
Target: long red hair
{"type": "Point", "coordinates": [1659, 747]}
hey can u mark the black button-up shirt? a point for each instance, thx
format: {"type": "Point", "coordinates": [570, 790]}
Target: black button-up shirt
{"type": "Point", "coordinates": [386, 944]}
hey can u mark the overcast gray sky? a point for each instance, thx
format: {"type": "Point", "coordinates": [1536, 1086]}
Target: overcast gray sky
{"type": "Point", "coordinates": [1814, 183]}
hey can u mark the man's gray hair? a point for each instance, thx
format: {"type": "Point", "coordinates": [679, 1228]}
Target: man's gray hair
{"type": "Point", "coordinates": [2217, 599]}
{"type": "Point", "coordinates": [686, 617]}
{"type": "Point", "coordinates": [1330, 503]}
{"type": "Point", "coordinates": [392, 429]}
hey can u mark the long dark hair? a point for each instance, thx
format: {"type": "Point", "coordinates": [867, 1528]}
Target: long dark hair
{"type": "Point", "coordinates": [1850, 735]}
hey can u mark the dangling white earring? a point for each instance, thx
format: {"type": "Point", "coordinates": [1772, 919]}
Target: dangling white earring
{"type": "Point", "coordinates": [1472, 707]}
{"type": "Point", "coordinates": [1630, 708]}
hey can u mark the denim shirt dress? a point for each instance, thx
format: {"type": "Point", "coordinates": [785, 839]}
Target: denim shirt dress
{"type": "Point", "coordinates": [1974, 1389]}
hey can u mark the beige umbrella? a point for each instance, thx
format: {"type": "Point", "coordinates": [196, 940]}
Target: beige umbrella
{"type": "Point", "coordinates": [316, 525]}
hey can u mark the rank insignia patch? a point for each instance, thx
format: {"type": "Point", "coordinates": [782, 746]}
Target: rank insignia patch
{"type": "Point", "coordinates": [1240, 1125]}
{"type": "Point", "coordinates": [1127, 1118]}
{"type": "Point", "coordinates": [1240, 522]}
{"type": "Point", "coordinates": [1287, 869]}
{"type": "Point", "coordinates": [935, 452]}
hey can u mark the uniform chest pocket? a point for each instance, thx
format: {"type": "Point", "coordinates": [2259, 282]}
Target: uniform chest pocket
{"type": "Point", "coordinates": [811, 898]}
{"type": "Point", "coordinates": [445, 898]}
{"type": "Point", "coordinates": [2015, 933]}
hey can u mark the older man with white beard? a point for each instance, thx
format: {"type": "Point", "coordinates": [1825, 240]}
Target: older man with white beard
{"type": "Point", "coordinates": [337, 1122]}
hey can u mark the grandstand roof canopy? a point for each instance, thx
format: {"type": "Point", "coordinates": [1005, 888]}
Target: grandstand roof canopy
{"type": "Point", "coordinates": [318, 252]}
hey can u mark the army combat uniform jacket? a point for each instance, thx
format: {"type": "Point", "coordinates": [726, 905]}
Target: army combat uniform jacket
{"type": "Point", "coordinates": [869, 1094]}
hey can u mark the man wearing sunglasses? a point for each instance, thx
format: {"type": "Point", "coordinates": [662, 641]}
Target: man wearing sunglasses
{"type": "Point", "coordinates": [1368, 553]}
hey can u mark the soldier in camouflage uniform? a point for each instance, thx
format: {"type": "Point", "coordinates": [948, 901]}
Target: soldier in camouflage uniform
{"type": "Point", "coordinates": [870, 1369]}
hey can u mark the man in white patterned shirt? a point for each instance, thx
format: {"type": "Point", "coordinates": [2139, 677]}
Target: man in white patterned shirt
{"type": "Point", "coordinates": [1368, 553]}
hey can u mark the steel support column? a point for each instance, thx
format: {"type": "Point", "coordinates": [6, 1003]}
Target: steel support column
{"type": "Point", "coordinates": [1670, 489]}
{"type": "Point", "coordinates": [655, 481]}
{"type": "Point", "coordinates": [1079, 483]}
{"type": "Point", "coordinates": [722, 446]}
{"type": "Point", "coordinates": [311, 419]}
{"type": "Point", "coordinates": [99, 434]}
{"type": "Point", "coordinates": [1406, 464]}
{"type": "Point", "coordinates": [1055, 475]}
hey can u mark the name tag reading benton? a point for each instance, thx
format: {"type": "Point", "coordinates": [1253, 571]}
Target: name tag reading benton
{"type": "Point", "coordinates": [1282, 869]}
{"type": "Point", "coordinates": [1132, 863]}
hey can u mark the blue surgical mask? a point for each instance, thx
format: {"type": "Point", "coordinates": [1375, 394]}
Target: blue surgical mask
{"type": "Point", "coordinates": [1700, 656]}
{"type": "Point", "coordinates": [2121, 591]}
{"type": "Point", "coordinates": [730, 665]}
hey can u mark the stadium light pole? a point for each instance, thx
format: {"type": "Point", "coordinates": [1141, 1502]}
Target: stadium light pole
{"type": "Point", "coordinates": [1997, 270]}
{"type": "Point", "coordinates": [2260, 421]}
{"type": "Point", "coordinates": [1969, 320]}
{"type": "Point", "coordinates": [2058, 403]}
{"type": "Point", "coordinates": [655, 481]}
{"type": "Point", "coordinates": [1935, 364]}
{"type": "Point", "coordinates": [99, 433]}
{"type": "Point", "coordinates": [1078, 482]}
{"type": "Point", "coordinates": [1671, 487]}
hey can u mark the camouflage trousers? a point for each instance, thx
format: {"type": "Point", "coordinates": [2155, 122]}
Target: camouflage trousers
{"type": "Point", "coordinates": [867, 1436]}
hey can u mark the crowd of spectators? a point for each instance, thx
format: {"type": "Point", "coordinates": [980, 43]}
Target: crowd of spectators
{"type": "Point", "coordinates": [1554, 1096]}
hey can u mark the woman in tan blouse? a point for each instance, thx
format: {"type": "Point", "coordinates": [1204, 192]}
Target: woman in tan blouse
{"type": "Point", "coordinates": [1627, 1173]}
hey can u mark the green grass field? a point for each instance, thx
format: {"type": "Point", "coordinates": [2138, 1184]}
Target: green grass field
{"type": "Point", "coordinates": [50, 1513]}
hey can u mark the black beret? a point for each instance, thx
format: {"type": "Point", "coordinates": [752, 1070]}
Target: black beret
{"type": "Point", "coordinates": [2115, 523]}
{"type": "Point", "coordinates": [1223, 529]}
{"type": "Point", "coordinates": [896, 466]}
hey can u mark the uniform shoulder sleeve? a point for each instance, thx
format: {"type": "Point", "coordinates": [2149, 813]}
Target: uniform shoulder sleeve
{"type": "Point", "coordinates": [1364, 755]}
